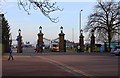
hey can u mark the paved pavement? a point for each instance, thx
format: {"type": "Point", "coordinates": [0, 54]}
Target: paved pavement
{"type": "Point", "coordinates": [61, 64]}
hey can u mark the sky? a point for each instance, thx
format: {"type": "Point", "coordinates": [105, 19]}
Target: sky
{"type": "Point", "coordinates": [29, 24]}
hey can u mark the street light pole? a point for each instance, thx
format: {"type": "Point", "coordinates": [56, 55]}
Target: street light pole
{"type": "Point", "coordinates": [118, 35]}
{"type": "Point", "coordinates": [80, 22]}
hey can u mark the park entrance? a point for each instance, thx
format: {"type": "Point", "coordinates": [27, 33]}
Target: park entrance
{"type": "Point", "coordinates": [57, 44]}
{"type": "Point", "coordinates": [43, 44]}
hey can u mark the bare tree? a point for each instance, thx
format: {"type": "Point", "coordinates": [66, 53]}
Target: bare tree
{"type": "Point", "coordinates": [45, 6]}
{"type": "Point", "coordinates": [105, 20]}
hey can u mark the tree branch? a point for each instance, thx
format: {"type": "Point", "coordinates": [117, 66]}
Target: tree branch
{"type": "Point", "coordinates": [44, 6]}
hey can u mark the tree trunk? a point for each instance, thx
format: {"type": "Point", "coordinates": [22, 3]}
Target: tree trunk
{"type": "Point", "coordinates": [109, 49]}
{"type": "Point", "coordinates": [109, 41]}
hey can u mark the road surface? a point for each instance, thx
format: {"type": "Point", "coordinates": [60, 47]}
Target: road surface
{"type": "Point", "coordinates": [61, 64]}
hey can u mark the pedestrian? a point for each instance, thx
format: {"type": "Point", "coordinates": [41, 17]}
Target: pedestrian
{"type": "Point", "coordinates": [101, 49]}
{"type": "Point", "coordinates": [37, 48]}
{"type": "Point", "coordinates": [89, 49]}
{"type": "Point", "coordinates": [10, 54]}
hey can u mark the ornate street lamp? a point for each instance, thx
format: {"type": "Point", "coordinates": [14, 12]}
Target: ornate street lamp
{"type": "Point", "coordinates": [81, 31]}
{"type": "Point", "coordinates": [92, 32]}
{"type": "Point", "coordinates": [19, 31]}
{"type": "Point", "coordinates": [40, 29]}
{"type": "Point", "coordinates": [61, 28]}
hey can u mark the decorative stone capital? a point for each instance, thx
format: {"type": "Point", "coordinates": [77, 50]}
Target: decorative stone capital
{"type": "Point", "coordinates": [61, 34]}
{"type": "Point", "coordinates": [40, 34]}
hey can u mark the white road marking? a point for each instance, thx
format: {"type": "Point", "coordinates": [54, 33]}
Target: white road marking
{"type": "Point", "coordinates": [66, 66]}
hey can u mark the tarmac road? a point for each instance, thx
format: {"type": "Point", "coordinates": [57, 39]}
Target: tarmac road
{"type": "Point", "coordinates": [31, 66]}
{"type": "Point", "coordinates": [61, 64]}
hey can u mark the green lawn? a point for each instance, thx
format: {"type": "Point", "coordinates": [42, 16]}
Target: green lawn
{"type": "Point", "coordinates": [70, 49]}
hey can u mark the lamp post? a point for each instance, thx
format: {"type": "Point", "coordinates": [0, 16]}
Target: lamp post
{"type": "Point", "coordinates": [40, 29]}
{"type": "Point", "coordinates": [61, 29]}
{"type": "Point", "coordinates": [118, 36]}
{"type": "Point", "coordinates": [92, 32]}
{"type": "Point", "coordinates": [80, 29]}
{"type": "Point", "coordinates": [19, 31]}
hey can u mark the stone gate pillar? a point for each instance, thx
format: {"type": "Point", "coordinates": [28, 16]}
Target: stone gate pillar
{"type": "Point", "coordinates": [19, 39]}
{"type": "Point", "coordinates": [92, 43]}
{"type": "Point", "coordinates": [81, 42]}
{"type": "Point", "coordinates": [40, 37]}
{"type": "Point", "coordinates": [62, 41]}
{"type": "Point", "coordinates": [64, 45]}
